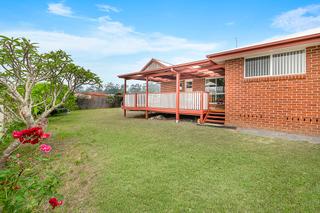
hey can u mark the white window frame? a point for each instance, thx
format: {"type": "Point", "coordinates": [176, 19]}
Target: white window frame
{"type": "Point", "coordinates": [271, 64]}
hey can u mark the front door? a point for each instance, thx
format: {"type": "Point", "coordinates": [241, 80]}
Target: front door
{"type": "Point", "coordinates": [188, 85]}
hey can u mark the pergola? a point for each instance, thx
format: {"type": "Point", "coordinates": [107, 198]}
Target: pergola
{"type": "Point", "coordinates": [197, 69]}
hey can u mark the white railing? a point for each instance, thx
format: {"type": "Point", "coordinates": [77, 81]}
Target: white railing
{"type": "Point", "coordinates": [162, 100]}
{"type": "Point", "coordinates": [205, 101]}
{"type": "Point", "coordinates": [141, 100]}
{"type": "Point", "coordinates": [188, 100]}
{"type": "Point", "coordinates": [129, 100]}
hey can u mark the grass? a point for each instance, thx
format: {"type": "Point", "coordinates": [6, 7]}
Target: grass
{"type": "Point", "coordinates": [117, 164]}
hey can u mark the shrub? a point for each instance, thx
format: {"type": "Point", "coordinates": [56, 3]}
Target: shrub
{"type": "Point", "coordinates": [28, 180]}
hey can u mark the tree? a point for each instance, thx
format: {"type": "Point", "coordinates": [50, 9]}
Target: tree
{"type": "Point", "coordinates": [135, 88]}
{"type": "Point", "coordinates": [111, 88]}
{"type": "Point", "coordinates": [22, 68]}
{"type": "Point", "coordinates": [41, 90]}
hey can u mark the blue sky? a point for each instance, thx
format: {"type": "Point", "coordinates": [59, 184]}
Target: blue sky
{"type": "Point", "coordinates": [114, 37]}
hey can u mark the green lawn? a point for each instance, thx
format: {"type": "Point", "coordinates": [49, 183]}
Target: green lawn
{"type": "Point", "coordinates": [117, 164]}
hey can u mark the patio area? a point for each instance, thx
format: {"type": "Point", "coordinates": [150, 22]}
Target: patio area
{"type": "Point", "coordinates": [185, 103]}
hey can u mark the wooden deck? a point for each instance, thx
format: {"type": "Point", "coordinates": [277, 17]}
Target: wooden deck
{"type": "Point", "coordinates": [190, 103]}
{"type": "Point", "coordinates": [167, 110]}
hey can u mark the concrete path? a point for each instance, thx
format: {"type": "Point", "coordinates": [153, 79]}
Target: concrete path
{"type": "Point", "coordinates": [282, 135]}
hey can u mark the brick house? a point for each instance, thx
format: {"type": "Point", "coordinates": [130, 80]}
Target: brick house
{"type": "Point", "coordinates": [272, 85]}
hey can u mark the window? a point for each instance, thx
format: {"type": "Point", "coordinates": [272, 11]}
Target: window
{"type": "Point", "coordinates": [188, 85]}
{"type": "Point", "coordinates": [289, 63]}
{"type": "Point", "coordinates": [181, 85]}
{"type": "Point", "coordinates": [258, 66]}
{"type": "Point", "coordinates": [215, 87]}
{"type": "Point", "coordinates": [276, 64]}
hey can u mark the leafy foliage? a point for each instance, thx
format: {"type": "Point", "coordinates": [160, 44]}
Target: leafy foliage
{"type": "Point", "coordinates": [136, 88]}
{"type": "Point", "coordinates": [111, 88]}
{"type": "Point", "coordinates": [7, 136]}
{"type": "Point", "coordinates": [23, 68]}
{"type": "Point", "coordinates": [40, 90]}
{"type": "Point", "coordinates": [24, 186]}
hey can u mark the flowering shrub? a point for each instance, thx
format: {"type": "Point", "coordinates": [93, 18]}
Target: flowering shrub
{"type": "Point", "coordinates": [32, 135]}
{"type": "Point", "coordinates": [45, 148]}
{"type": "Point", "coordinates": [28, 179]}
{"type": "Point", "coordinates": [54, 202]}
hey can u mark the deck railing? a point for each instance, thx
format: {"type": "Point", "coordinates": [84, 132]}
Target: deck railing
{"type": "Point", "coordinates": [141, 100]}
{"type": "Point", "coordinates": [188, 100]}
{"type": "Point", "coordinates": [162, 100]}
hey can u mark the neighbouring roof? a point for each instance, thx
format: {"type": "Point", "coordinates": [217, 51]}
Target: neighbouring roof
{"type": "Point", "coordinates": [155, 64]}
{"type": "Point", "coordinates": [301, 38]}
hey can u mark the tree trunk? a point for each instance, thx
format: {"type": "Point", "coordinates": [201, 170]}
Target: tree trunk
{"type": "Point", "coordinates": [7, 152]}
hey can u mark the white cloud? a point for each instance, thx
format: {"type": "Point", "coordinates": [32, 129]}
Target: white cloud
{"type": "Point", "coordinates": [107, 25]}
{"type": "Point", "coordinates": [231, 23]}
{"type": "Point", "coordinates": [105, 39]}
{"type": "Point", "coordinates": [299, 19]}
{"type": "Point", "coordinates": [59, 9]}
{"type": "Point", "coordinates": [107, 8]}
{"type": "Point", "coordinates": [111, 38]}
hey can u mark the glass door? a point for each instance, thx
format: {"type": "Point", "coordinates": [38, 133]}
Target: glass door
{"type": "Point", "coordinates": [215, 88]}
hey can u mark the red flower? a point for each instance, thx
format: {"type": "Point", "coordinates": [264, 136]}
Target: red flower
{"type": "Point", "coordinates": [54, 202]}
{"type": "Point", "coordinates": [32, 135]}
{"type": "Point", "coordinates": [16, 134]}
{"type": "Point", "coordinates": [45, 148]}
{"type": "Point", "coordinates": [46, 135]}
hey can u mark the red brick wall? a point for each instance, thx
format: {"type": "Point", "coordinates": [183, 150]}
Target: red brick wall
{"type": "Point", "coordinates": [168, 86]}
{"type": "Point", "coordinates": [198, 85]}
{"type": "Point", "coordinates": [286, 103]}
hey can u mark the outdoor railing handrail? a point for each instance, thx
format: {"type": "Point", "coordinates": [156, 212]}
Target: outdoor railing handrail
{"type": "Point", "coordinates": [138, 100]}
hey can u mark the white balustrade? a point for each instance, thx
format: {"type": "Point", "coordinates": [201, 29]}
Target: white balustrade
{"type": "Point", "coordinates": [188, 100]}
{"type": "Point", "coordinates": [129, 100]}
{"type": "Point", "coordinates": [141, 100]}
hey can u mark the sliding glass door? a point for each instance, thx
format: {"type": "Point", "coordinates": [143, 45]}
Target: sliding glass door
{"type": "Point", "coordinates": [215, 88]}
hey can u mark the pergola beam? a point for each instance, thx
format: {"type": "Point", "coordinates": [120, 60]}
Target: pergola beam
{"type": "Point", "coordinates": [162, 74]}
{"type": "Point", "coordinates": [198, 69]}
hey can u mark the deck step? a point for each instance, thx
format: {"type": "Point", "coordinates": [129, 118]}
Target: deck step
{"type": "Point", "coordinates": [214, 121]}
{"type": "Point", "coordinates": [215, 117]}
{"type": "Point", "coordinates": [217, 110]}
{"type": "Point", "coordinates": [216, 114]}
